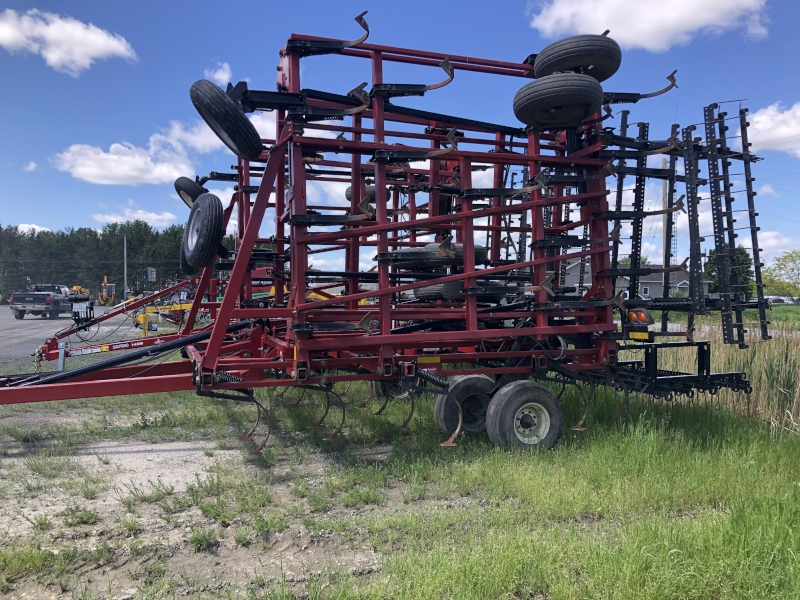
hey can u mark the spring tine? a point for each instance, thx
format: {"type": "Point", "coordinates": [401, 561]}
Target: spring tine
{"type": "Point", "coordinates": [335, 433]}
{"type": "Point", "coordinates": [259, 450]}
{"type": "Point", "coordinates": [283, 393]}
{"type": "Point", "coordinates": [385, 404]}
{"type": "Point", "coordinates": [347, 389]}
{"type": "Point", "coordinates": [249, 435]}
{"type": "Point", "coordinates": [369, 396]}
{"type": "Point", "coordinates": [451, 442]}
{"type": "Point", "coordinates": [319, 424]}
{"type": "Point", "coordinates": [561, 392]}
{"type": "Point", "coordinates": [302, 395]}
{"type": "Point", "coordinates": [586, 397]}
{"type": "Point", "coordinates": [404, 427]}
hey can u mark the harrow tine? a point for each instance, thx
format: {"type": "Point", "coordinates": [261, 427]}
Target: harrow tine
{"type": "Point", "coordinates": [404, 427]}
{"type": "Point", "coordinates": [586, 398]}
{"type": "Point", "coordinates": [620, 415]}
{"type": "Point", "coordinates": [319, 424]}
{"type": "Point", "coordinates": [335, 433]}
{"type": "Point", "coordinates": [249, 435]}
{"type": "Point", "coordinates": [260, 449]}
{"type": "Point", "coordinates": [452, 441]}
{"type": "Point", "coordinates": [561, 392]}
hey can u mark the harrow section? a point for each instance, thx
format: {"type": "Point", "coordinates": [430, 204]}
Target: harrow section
{"type": "Point", "coordinates": [486, 253]}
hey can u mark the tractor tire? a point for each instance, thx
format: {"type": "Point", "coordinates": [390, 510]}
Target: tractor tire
{"type": "Point", "coordinates": [186, 268]}
{"type": "Point", "coordinates": [595, 55]}
{"type": "Point", "coordinates": [188, 190]}
{"type": "Point", "coordinates": [558, 101]}
{"type": "Point", "coordinates": [471, 392]}
{"type": "Point", "coordinates": [19, 314]}
{"type": "Point", "coordinates": [226, 119]}
{"type": "Point", "coordinates": [204, 231]}
{"type": "Point", "coordinates": [524, 414]}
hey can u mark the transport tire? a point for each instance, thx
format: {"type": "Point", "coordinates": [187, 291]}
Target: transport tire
{"type": "Point", "coordinates": [430, 292]}
{"type": "Point", "coordinates": [204, 232]}
{"type": "Point", "coordinates": [595, 55]}
{"type": "Point", "coordinates": [186, 268]}
{"type": "Point", "coordinates": [226, 119]}
{"type": "Point", "coordinates": [558, 101]}
{"type": "Point", "coordinates": [188, 190]}
{"type": "Point", "coordinates": [524, 414]}
{"type": "Point", "coordinates": [471, 392]}
{"type": "Point", "coordinates": [19, 314]}
{"type": "Point", "coordinates": [492, 291]}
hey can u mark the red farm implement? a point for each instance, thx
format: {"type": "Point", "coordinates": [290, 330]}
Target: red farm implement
{"type": "Point", "coordinates": [467, 259]}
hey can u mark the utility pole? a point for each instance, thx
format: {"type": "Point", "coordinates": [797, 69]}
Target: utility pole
{"type": "Point", "coordinates": [124, 268]}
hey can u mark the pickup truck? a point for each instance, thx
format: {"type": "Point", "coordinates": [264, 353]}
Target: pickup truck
{"type": "Point", "coordinates": [44, 300]}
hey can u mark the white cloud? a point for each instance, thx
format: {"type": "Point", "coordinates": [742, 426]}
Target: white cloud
{"type": "Point", "coordinates": [66, 44]}
{"type": "Point", "coordinates": [132, 213]}
{"type": "Point", "coordinates": [772, 243]}
{"type": "Point", "coordinates": [31, 166]}
{"type": "Point", "coordinates": [220, 75]}
{"type": "Point", "coordinates": [653, 25]}
{"type": "Point", "coordinates": [767, 190]}
{"type": "Point", "coordinates": [775, 128]}
{"type": "Point", "coordinates": [31, 228]}
{"type": "Point", "coordinates": [165, 159]}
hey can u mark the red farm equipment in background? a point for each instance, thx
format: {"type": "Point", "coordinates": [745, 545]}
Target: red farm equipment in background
{"type": "Point", "coordinates": [468, 259]}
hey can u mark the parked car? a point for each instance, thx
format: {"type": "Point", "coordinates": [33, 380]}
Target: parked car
{"type": "Point", "coordinates": [42, 300]}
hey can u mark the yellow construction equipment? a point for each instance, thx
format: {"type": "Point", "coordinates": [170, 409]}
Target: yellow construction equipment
{"type": "Point", "coordinates": [107, 294]}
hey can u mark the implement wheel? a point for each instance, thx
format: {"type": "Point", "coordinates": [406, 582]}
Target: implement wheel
{"type": "Point", "coordinates": [226, 119]}
{"type": "Point", "coordinates": [472, 393]}
{"type": "Point", "coordinates": [595, 55]}
{"type": "Point", "coordinates": [204, 232]}
{"type": "Point", "coordinates": [524, 414]}
{"type": "Point", "coordinates": [188, 190]}
{"type": "Point", "coordinates": [558, 101]}
{"type": "Point", "coordinates": [186, 268]}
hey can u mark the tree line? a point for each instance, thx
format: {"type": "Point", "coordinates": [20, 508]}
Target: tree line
{"type": "Point", "coordinates": [84, 256]}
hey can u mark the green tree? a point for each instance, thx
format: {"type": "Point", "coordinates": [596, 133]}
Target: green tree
{"type": "Point", "coordinates": [744, 267]}
{"type": "Point", "coordinates": [782, 278]}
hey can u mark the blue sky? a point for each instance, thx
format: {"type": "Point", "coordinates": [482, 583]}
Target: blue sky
{"type": "Point", "coordinates": [77, 98]}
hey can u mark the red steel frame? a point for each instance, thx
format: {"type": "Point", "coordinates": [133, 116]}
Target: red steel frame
{"type": "Point", "coordinates": [271, 353]}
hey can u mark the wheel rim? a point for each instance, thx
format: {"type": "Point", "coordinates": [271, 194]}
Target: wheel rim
{"type": "Point", "coordinates": [473, 411]}
{"type": "Point", "coordinates": [531, 423]}
{"type": "Point", "coordinates": [193, 229]}
{"type": "Point", "coordinates": [186, 198]}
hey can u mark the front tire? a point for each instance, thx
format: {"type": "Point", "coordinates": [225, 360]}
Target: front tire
{"type": "Point", "coordinates": [188, 190]}
{"type": "Point", "coordinates": [524, 414]}
{"type": "Point", "coordinates": [19, 314]}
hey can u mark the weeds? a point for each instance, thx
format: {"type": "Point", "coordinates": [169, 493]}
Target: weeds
{"type": "Point", "coordinates": [49, 464]}
{"type": "Point", "coordinates": [202, 540]}
{"type": "Point", "coordinates": [78, 515]}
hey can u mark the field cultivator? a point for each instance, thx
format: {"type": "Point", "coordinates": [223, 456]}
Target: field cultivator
{"type": "Point", "coordinates": [467, 259]}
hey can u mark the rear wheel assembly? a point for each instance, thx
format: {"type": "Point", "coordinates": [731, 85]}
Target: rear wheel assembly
{"type": "Point", "coordinates": [471, 392]}
{"type": "Point", "coordinates": [204, 232]}
{"type": "Point", "coordinates": [188, 190]}
{"type": "Point", "coordinates": [595, 55]}
{"type": "Point", "coordinates": [226, 119]}
{"type": "Point", "coordinates": [558, 101]}
{"type": "Point", "coordinates": [524, 414]}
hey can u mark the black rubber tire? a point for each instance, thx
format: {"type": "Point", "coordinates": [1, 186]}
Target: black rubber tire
{"type": "Point", "coordinates": [558, 101]}
{"type": "Point", "coordinates": [226, 119]}
{"type": "Point", "coordinates": [54, 312]}
{"type": "Point", "coordinates": [369, 190]}
{"type": "Point", "coordinates": [186, 268]}
{"type": "Point", "coordinates": [595, 55]}
{"type": "Point", "coordinates": [188, 190]}
{"type": "Point", "coordinates": [472, 393]}
{"type": "Point", "coordinates": [204, 232]}
{"type": "Point", "coordinates": [430, 292]}
{"type": "Point", "coordinates": [495, 291]}
{"type": "Point", "coordinates": [512, 398]}
{"type": "Point", "coordinates": [19, 314]}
